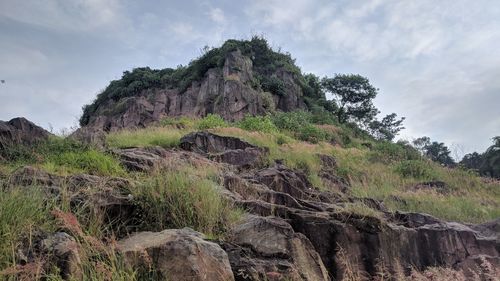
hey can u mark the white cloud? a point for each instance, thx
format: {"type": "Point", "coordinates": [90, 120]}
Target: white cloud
{"type": "Point", "coordinates": [217, 15]}
{"type": "Point", "coordinates": [64, 15]}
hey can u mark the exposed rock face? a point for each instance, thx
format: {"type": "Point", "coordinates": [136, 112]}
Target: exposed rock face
{"type": "Point", "coordinates": [269, 249]}
{"type": "Point", "coordinates": [410, 239]}
{"type": "Point", "coordinates": [177, 254]}
{"type": "Point", "coordinates": [227, 92]}
{"type": "Point", "coordinates": [224, 149]}
{"type": "Point", "coordinates": [20, 131]}
{"type": "Point", "coordinates": [90, 136]}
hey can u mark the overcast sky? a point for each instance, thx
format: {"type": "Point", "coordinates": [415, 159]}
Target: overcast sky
{"type": "Point", "coordinates": [435, 62]}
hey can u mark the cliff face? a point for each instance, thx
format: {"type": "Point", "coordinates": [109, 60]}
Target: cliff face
{"type": "Point", "coordinates": [229, 92]}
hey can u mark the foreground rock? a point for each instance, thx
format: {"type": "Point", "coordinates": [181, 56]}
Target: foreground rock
{"type": "Point", "coordinates": [177, 254]}
{"type": "Point", "coordinates": [269, 249]}
{"type": "Point", "coordinates": [20, 131]}
{"type": "Point", "coordinates": [225, 149]}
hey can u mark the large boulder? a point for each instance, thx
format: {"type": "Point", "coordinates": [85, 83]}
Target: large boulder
{"type": "Point", "coordinates": [225, 149]}
{"type": "Point", "coordinates": [267, 248]}
{"type": "Point", "coordinates": [90, 136]}
{"type": "Point", "coordinates": [177, 254]}
{"type": "Point", "coordinates": [20, 131]}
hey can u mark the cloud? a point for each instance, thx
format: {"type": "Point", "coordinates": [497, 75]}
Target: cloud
{"type": "Point", "coordinates": [62, 15]}
{"type": "Point", "coordinates": [217, 15]}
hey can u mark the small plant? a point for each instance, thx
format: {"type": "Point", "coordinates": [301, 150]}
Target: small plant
{"type": "Point", "coordinates": [212, 121]}
{"type": "Point", "coordinates": [258, 123]}
{"type": "Point", "coordinates": [419, 169]}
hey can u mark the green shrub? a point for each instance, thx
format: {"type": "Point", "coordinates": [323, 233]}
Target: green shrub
{"type": "Point", "coordinates": [258, 123]}
{"type": "Point", "coordinates": [419, 169]}
{"type": "Point", "coordinates": [387, 152]}
{"type": "Point", "coordinates": [211, 121]}
{"type": "Point", "coordinates": [178, 122]}
{"type": "Point", "coordinates": [311, 133]}
{"type": "Point", "coordinates": [291, 121]}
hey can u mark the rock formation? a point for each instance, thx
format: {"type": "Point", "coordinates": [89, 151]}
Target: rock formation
{"type": "Point", "coordinates": [227, 92]}
{"type": "Point", "coordinates": [20, 131]}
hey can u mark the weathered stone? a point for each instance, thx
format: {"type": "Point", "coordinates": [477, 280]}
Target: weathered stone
{"type": "Point", "coordinates": [142, 159]}
{"type": "Point", "coordinates": [177, 254]}
{"type": "Point", "coordinates": [90, 136]}
{"type": "Point", "coordinates": [31, 176]}
{"type": "Point", "coordinates": [63, 251]}
{"type": "Point", "coordinates": [224, 149]}
{"type": "Point", "coordinates": [261, 248]}
{"type": "Point", "coordinates": [20, 131]}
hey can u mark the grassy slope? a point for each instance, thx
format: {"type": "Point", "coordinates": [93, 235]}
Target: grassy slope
{"type": "Point", "coordinates": [382, 172]}
{"type": "Point", "coordinates": [385, 171]}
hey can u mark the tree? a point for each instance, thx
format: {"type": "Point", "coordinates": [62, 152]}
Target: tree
{"type": "Point", "coordinates": [387, 128]}
{"type": "Point", "coordinates": [491, 160]}
{"type": "Point", "coordinates": [353, 95]}
{"type": "Point", "coordinates": [436, 151]}
{"type": "Point", "coordinates": [472, 161]}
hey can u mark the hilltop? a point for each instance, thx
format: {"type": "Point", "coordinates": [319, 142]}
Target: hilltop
{"type": "Point", "coordinates": [237, 167]}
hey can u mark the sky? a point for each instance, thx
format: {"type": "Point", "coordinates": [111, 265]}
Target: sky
{"type": "Point", "coordinates": [435, 62]}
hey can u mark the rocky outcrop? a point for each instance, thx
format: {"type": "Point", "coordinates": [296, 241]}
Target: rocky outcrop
{"type": "Point", "coordinates": [177, 254]}
{"type": "Point", "coordinates": [20, 131]}
{"type": "Point", "coordinates": [90, 136]}
{"type": "Point", "coordinates": [267, 248]}
{"type": "Point", "coordinates": [340, 237]}
{"type": "Point", "coordinates": [224, 149]}
{"type": "Point", "coordinates": [228, 92]}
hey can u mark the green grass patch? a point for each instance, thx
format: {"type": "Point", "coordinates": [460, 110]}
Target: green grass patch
{"type": "Point", "coordinates": [211, 121]}
{"type": "Point", "coordinates": [178, 198]}
{"type": "Point", "coordinates": [166, 137]}
{"type": "Point", "coordinates": [22, 212]}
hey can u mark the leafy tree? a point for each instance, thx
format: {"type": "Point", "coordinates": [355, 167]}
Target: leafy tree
{"type": "Point", "coordinates": [491, 160]}
{"type": "Point", "coordinates": [436, 151]}
{"type": "Point", "coordinates": [353, 95]}
{"type": "Point", "coordinates": [472, 161]}
{"type": "Point", "coordinates": [387, 128]}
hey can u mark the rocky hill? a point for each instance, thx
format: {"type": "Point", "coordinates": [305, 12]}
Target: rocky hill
{"type": "Point", "coordinates": [240, 78]}
{"type": "Point", "coordinates": [231, 169]}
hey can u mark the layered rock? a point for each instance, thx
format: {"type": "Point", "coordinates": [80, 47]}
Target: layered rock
{"type": "Point", "coordinates": [227, 92]}
{"type": "Point", "coordinates": [224, 149]}
{"type": "Point", "coordinates": [267, 248]}
{"type": "Point", "coordinates": [177, 254]}
{"type": "Point", "coordinates": [20, 131]}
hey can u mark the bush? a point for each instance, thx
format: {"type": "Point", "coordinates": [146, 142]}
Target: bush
{"type": "Point", "coordinates": [419, 169]}
{"type": "Point", "coordinates": [291, 121]}
{"type": "Point", "coordinates": [258, 123]}
{"type": "Point", "coordinates": [179, 122]}
{"type": "Point", "coordinates": [211, 121]}
{"type": "Point", "coordinates": [388, 152]}
{"type": "Point", "coordinates": [311, 133]}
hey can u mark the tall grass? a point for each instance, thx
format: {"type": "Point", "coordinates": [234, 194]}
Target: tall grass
{"type": "Point", "coordinates": [180, 197]}
{"type": "Point", "coordinates": [22, 213]}
{"type": "Point", "coordinates": [166, 137]}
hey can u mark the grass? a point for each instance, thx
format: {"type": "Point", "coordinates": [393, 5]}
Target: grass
{"type": "Point", "coordinates": [166, 137]}
{"type": "Point", "coordinates": [184, 196]}
{"type": "Point", "coordinates": [22, 213]}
